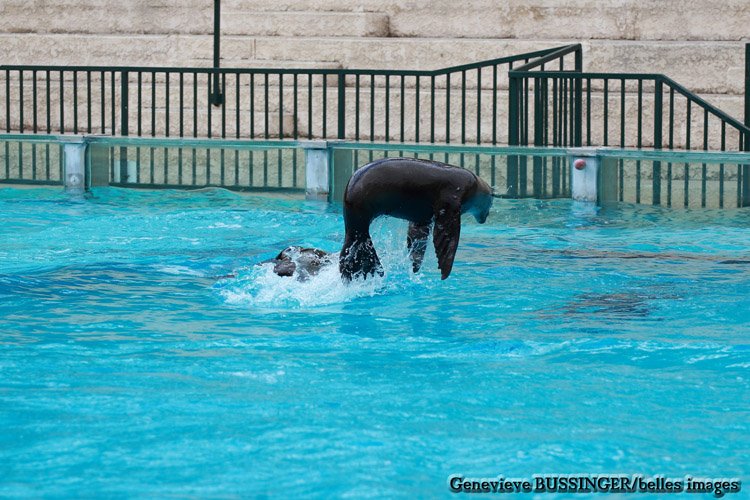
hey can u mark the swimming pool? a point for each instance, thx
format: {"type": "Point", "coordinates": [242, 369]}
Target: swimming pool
{"type": "Point", "coordinates": [569, 339]}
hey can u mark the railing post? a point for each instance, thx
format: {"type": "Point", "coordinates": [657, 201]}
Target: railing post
{"type": "Point", "coordinates": [658, 112]}
{"type": "Point", "coordinates": [578, 104]}
{"type": "Point", "coordinates": [123, 122]}
{"type": "Point", "coordinates": [514, 109]}
{"type": "Point", "coordinates": [747, 94]}
{"type": "Point", "coordinates": [124, 103]}
{"type": "Point", "coordinates": [217, 98]}
{"type": "Point", "coordinates": [540, 97]}
{"type": "Point", "coordinates": [746, 168]}
{"type": "Point", "coordinates": [342, 105]}
{"type": "Point", "coordinates": [540, 122]}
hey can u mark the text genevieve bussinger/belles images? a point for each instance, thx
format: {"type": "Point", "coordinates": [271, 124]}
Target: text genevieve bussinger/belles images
{"type": "Point", "coordinates": [594, 483]}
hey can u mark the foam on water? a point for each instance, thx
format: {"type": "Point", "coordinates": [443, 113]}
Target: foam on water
{"type": "Point", "coordinates": [259, 286]}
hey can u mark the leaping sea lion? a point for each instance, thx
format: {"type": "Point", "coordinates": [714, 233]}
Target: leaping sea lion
{"type": "Point", "coordinates": [420, 191]}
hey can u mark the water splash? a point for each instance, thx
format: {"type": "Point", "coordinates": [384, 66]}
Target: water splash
{"type": "Point", "coordinates": [259, 286]}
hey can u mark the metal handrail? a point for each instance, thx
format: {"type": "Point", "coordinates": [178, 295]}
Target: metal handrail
{"type": "Point", "coordinates": [117, 98]}
{"type": "Point", "coordinates": [252, 165]}
{"type": "Point", "coordinates": [576, 106]}
{"type": "Point", "coordinates": [557, 54]}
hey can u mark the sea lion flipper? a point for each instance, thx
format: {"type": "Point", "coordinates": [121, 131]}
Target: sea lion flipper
{"type": "Point", "coordinates": [445, 236]}
{"type": "Point", "coordinates": [416, 242]}
{"type": "Point", "coordinates": [358, 257]}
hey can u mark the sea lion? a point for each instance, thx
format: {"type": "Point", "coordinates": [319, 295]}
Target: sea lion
{"type": "Point", "coordinates": [305, 262]}
{"type": "Point", "coordinates": [423, 192]}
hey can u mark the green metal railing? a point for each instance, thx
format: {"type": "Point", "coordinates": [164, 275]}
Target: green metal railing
{"type": "Point", "coordinates": [563, 107]}
{"type": "Point", "coordinates": [154, 163]}
{"type": "Point", "coordinates": [682, 178]}
{"type": "Point", "coordinates": [747, 84]}
{"type": "Point", "coordinates": [31, 159]}
{"type": "Point", "coordinates": [689, 178]}
{"type": "Point", "coordinates": [550, 102]}
{"type": "Point", "coordinates": [387, 105]}
{"type": "Point", "coordinates": [244, 166]}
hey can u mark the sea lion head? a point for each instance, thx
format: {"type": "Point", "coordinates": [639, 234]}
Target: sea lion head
{"type": "Point", "coordinates": [480, 203]}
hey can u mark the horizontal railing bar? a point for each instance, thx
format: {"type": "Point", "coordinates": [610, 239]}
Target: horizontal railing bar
{"type": "Point", "coordinates": [675, 156]}
{"type": "Point", "coordinates": [114, 141]}
{"type": "Point", "coordinates": [35, 138]}
{"type": "Point", "coordinates": [447, 148]}
{"type": "Point", "coordinates": [212, 71]}
{"type": "Point", "coordinates": [31, 182]}
{"type": "Point", "coordinates": [166, 69]}
{"type": "Point", "coordinates": [184, 142]}
{"type": "Point", "coordinates": [583, 75]}
{"type": "Point", "coordinates": [109, 140]}
{"type": "Point", "coordinates": [209, 71]}
{"type": "Point", "coordinates": [190, 187]}
{"type": "Point", "coordinates": [242, 71]}
{"type": "Point", "coordinates": [556, 54]}
{"type": "Point", "coordinates": [493, 62]}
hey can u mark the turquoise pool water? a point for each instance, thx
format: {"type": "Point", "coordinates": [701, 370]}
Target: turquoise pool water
{"type": "Point", "coordinates": [569, 339]}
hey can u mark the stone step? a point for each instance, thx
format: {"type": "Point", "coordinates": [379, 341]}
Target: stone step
{"type": "Point", "coordinates": [584, 19]}
{"type": "Point", "coordinates": [106, 16]}
{"type": "Point", "coordinates": [580, 20]}
{"type": "Point", "coordinates": [116, 17]}
{"type": "Point", "coordinates": [141, 50]}
{"type": "Point", "coordinates": [534, 19]}
{"type": "Point", "coordinates": [304, 24]}
{"type": "Point", "coordinates": [325, 5]}
{"type": "Point", "coordinates": [119, 50]}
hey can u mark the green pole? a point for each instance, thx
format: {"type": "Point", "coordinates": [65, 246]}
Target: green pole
{"type": "Point", "coordinates": [745, 201]}
{"type": "Point", "coordinates": [747, 94]}
{"type": "Point", "coordinates": [216, 96]}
